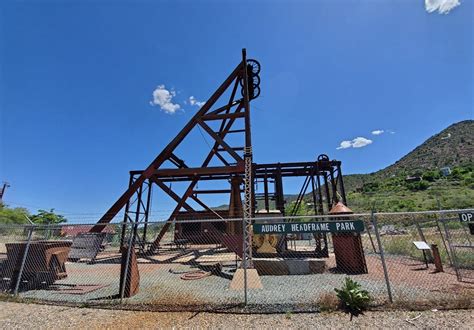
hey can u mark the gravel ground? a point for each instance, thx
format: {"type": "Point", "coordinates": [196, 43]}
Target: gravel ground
{"type": "Point", "coordinates": [160, 286]}
{"type": "Point", "coordinates": [32, 316]}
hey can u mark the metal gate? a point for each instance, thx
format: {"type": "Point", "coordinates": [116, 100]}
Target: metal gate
{"type": "Point", "coordinates": [460, 247]}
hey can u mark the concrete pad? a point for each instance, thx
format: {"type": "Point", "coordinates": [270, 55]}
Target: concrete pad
{"type": "Point", "coordinates": [221, 257]}
{"type": "Point", "coordinates": [298, 267]}
{"type": "Point", "coordinates": [253, 279]}
{"type": "Point", "coordinates": [280, 266]}
{"type": "Point", "coordinates": [271, 266]}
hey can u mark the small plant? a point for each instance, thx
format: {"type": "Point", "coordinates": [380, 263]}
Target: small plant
{"type": "Point", "coordinates": [288, 315]}
{"type": "Point", "coordinates": [354, 299]}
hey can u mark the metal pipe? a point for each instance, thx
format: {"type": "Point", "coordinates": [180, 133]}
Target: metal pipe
{"type": "Point", "coordinates": [382, 257]}
{"type": "Point", "coordinates": [244, 261]}
{"type": "Point", "coordinates": [147, 210]}
{"type": "Point", "coordinates": [23, 260]}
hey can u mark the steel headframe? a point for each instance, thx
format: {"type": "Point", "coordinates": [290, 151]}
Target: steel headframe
{"type": "Point", "coordinates": [324, 176]}
{"type": "Point", "coordinates": [245, 73]}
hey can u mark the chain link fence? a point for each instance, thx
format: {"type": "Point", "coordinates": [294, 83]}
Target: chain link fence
{"type": "Point", "coordinates": [196, 265]}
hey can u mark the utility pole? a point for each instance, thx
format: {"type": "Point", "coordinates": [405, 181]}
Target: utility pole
{"type": "Point", "coordinates": [2, 192]}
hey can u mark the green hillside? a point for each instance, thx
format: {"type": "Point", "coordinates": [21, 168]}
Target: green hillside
{"type": "Point", "coordinates": [390, 190]}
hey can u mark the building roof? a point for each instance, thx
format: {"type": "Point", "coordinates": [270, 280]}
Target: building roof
{"type": "Point", "coordinates": [74, 230]}
{"type": "Point", "coordinates": [340, 208]}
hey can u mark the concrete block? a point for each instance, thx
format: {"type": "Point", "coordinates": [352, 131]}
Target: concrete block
{"type": "Point", "coordinates": [253, 280]}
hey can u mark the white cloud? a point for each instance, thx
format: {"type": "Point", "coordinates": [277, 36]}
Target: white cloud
{"type": "Point", "coordinates": [442, 6]}
{"type": "Point", "coordinates": [164, 99]}
{"type": "Point", "coordinates": [378, 132]}
{"type": "Point", "coordinates": [193, 101]}
{"type": "Point", "coordinates": [345, 145]}
{"type": "Point", "coordinates": [358, 142]}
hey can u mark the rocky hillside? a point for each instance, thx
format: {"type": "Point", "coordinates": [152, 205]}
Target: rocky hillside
{"type": "Point", "coordinates": [453, 146]}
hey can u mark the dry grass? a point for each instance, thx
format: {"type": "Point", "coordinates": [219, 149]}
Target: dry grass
{"type": "Point", "coordinates": [328, 302]}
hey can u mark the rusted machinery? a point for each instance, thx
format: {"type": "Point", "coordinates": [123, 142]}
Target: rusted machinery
{"type": "Point", "coordinates": [226, 114]}
{"type": "Point", "coordinates": [44, 264]}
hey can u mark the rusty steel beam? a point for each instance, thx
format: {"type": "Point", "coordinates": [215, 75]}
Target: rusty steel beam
{"type": "Point", "coordinates": [208, 173]}
{"type": "Point", "coordinates": [197, 171]}
{"type": "Point", "coordinates": [170, 192]}
{"type": "Point", "coordinates": [220, 140]}
{"type": "Point", "coordinates": [224, 108]}
{"type": "Point", "coordinates": [223, 131]}
{"type": "Point", "coordinates": [212, 191]}
{"type": "Point", "coordinates": [222, 159]}
{"type": "Point", "coordinates": [233, 115]}
{"type": "Point", "coordinates": [177, 161]}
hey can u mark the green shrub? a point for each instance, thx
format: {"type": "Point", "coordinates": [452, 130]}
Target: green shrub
{"type": "Point", "coordinates": [417, 186]}
{"type": "Point", "coordinates": [431, 176]}
{"type": "Point", "coordinates": [353, 298]}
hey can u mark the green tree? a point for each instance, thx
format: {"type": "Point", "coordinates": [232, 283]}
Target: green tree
{"type": "Point", "coordinates": [431, 176]}
{"type": "Point", "coordinates": [417, 186]}
{"type": "Point", "coordinates": [47, 218]}
{"type": "Point", "coordinates": [15, 215]}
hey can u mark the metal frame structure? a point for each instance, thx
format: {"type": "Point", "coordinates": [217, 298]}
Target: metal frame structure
{"type": "Point", "coordinates": [323, 176]}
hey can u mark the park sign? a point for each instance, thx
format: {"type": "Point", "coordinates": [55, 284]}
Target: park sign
{"type": "Point", "coordinates": [466, 217]}
{"type": "Point", "coordinates": [346, 226]}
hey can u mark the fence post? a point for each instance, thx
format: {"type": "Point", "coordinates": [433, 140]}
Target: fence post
{"type": "Point", "coordinates": [127, 262]}
{"type": "Point", "coordinates": [382, 256]}
{"type": "Point", "coordinates": [244, 260]}
{"type": "Point", "coordinates": [448, 253]}
{"type": "Point", "coordinates": [451, 248]}
{"type": "Point", "coordinates": [23, 261]}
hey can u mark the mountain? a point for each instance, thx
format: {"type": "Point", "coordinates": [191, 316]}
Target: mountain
{"type": "Point", "coordinates": [390, 191]}
{"type": "Point", "coordinates": [453, 146]}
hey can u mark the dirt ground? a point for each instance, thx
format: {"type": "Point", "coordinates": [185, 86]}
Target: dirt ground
{"type": "Point", "coordinates": [160, 281]}
{"type": "Point", "coordinates": [32, 316]}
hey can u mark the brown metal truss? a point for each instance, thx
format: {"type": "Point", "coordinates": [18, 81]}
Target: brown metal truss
{"type": "Point", "coordinates": [236, 109]}
{"type": "Point", "coordinates": [270, 175]}
{"type": "Point", "coordinates": [323, 177]}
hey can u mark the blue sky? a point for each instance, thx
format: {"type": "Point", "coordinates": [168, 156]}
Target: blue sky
{"type": "Point", "coordinates": [77, 78]}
